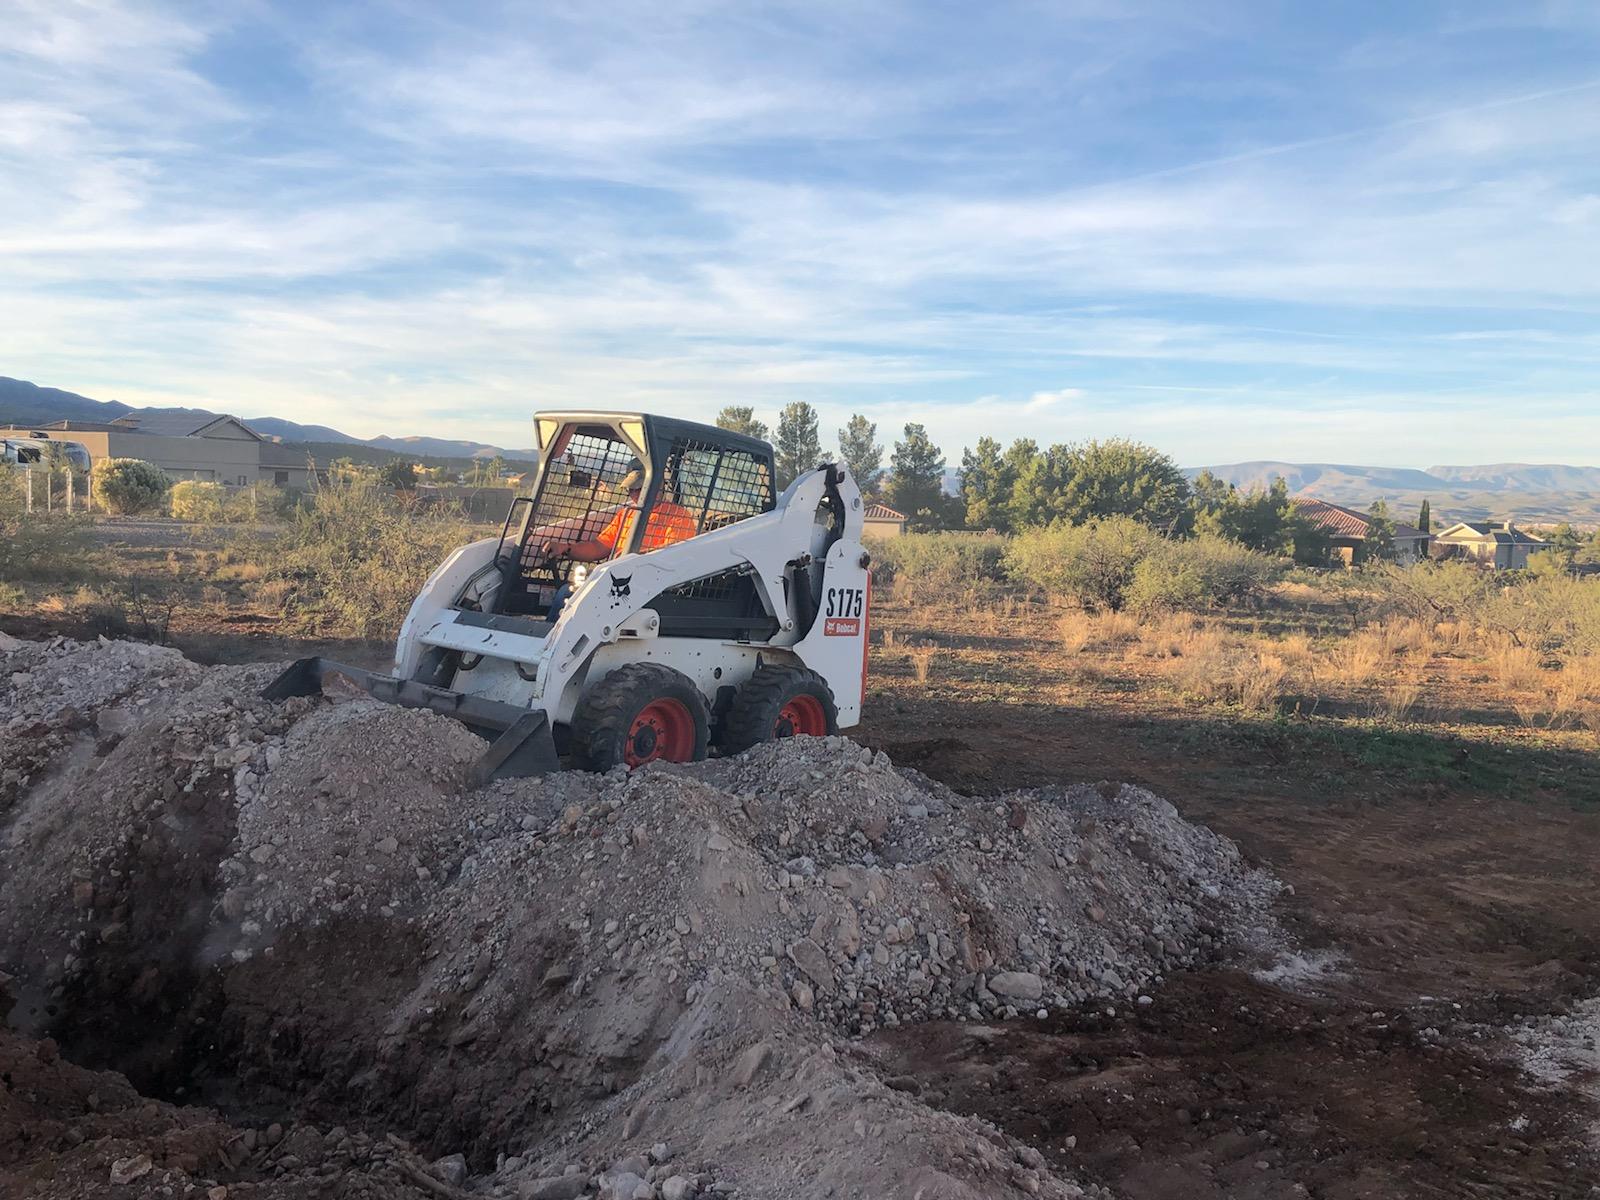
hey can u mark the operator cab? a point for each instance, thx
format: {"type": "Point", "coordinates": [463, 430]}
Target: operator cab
{"type": "Point", "coordinates": [610, 484]}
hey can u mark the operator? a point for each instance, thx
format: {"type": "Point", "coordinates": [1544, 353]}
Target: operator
{"type": "Point", "coordinates": [668, 523]}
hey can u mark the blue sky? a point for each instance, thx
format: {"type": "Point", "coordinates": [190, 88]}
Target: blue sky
{"type": "Point", "coordinates": [1357, 232]}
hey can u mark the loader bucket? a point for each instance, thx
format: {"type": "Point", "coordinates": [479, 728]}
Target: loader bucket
{"type": "Point", "coordinates": [521, 740]}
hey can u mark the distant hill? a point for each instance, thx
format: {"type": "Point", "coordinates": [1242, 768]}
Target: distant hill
{"type": "Point", "coordinates": [1531, 477]}
{"type": "Point", "coordinates": [25, 403]}
{"type": "Point", "coordinates": [289, 431]}
{"type": "Point", "coordinates": [1532, 495]}
{"type": "Point", "coordinates": [1319, 478]}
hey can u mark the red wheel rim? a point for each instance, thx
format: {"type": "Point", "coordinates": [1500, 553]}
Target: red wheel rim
{"type": "Point", "coordinates": [662, 730]}
{"type": "Point", "coordinates": [802, 714]}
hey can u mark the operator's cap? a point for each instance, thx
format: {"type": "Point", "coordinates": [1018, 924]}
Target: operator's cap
{"type": "Point", "coordinates": [634, 479]}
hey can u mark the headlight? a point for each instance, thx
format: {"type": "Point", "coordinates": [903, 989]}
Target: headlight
{"type": "Point", "coordinates": [579, 573]}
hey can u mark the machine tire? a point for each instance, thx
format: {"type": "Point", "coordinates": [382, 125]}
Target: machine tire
{"type": "Point", "coordinates": [643, 712]}
{"type": "Point", "coordinates": [775, 702]}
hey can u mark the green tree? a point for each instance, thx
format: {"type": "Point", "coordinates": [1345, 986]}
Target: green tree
{"type": "Point", "coordinates": [1309, 543]}
{"type": "Point", "coordinates": [1038, 491]}
{"type": "Point", "coordinates": [1119, 477]}
{"type": "Point", "coordinates": [797, 447]}
{"type": "Point", "coordinates": [129, 485]}
{"type": "Point", "coordinates": [986, 482]}
{"type": "Point", "coordinates": [1211, 493]}
{"type": "Point", "coordinates": [1425, 517]}
{"type": "Point", "coordinates": [1260, 520]}
{"type": "Point", "coordinates": [398, 474]}
{"type": "Point", "coordinates": [859, 448]}
{"type": "Point", "coordinates": [1380, 532]}
{"type": "Point", "coordinates": [738, 418]}
{"type": "Point", "coordinates": [916, 480]}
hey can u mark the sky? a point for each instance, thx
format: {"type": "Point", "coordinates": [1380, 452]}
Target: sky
{"type": "Point", "coordinates": [1359, 232]}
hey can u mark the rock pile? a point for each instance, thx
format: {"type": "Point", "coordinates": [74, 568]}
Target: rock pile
{"type": "Point", "coordinates": [635, 985]}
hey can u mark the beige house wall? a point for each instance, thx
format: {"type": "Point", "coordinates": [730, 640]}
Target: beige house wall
{"type": "Point", "coordinates": [882, 529]}
{"type": "Point", "coordinates": [216, 459]}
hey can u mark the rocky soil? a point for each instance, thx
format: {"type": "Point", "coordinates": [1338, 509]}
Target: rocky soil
{"type": "Point", "coordinates": [305, 916]}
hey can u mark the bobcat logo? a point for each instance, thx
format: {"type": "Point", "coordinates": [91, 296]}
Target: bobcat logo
{"type": "Point", "coordinates": [620, 584]}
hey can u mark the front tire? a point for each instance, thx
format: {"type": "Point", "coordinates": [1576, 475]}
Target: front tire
{"type": "Point", "coordinates": [640, 713]}
{"type": "Point", "coordinates": [777, 702]}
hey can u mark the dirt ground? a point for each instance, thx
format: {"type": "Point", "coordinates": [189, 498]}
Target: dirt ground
{"type": "Point", "coordinates": [1448, 912]}
{"type": "Point", "coordinates": [1232, 1087]}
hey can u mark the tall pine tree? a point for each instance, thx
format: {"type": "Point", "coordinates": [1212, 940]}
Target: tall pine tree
{"type": "Point", "coordinates": [916, 480]}
{"type": "Point", "coordinates": [741, 419]}
{"type": "Point", "coordinates": [1425, 517]}
{"type": "Point", "coordinates": [986, 481]}
{"type": "Point", "coordinates": [859, 448]}
{"type": "Point", "coordinates": [796, 445]}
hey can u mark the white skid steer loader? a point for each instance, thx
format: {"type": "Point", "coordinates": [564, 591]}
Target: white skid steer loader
{"type": "Point", "coordinates": [652, 597]}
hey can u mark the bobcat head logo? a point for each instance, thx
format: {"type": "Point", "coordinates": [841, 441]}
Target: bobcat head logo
{"type": "Point", "coordinates": [620, 584]}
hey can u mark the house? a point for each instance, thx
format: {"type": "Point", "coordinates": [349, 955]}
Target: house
{"type": "Point", "coordinates": [882, 521]}
{"type": "Point", "coordinates": [1491, 543]}
{"type": "Point", "coordinates": [188, 444]}
{"type": "Point", "coordinates": [1348, 531]}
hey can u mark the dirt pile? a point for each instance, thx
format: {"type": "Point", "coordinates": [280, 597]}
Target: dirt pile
{"type": "Point", "coordinates": [623, 985]}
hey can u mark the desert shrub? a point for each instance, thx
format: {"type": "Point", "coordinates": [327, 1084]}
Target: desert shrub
{"type": "Point", "coordinates": [1432, 592]}
{"type": "Point", "coordinates": [1089, 565]}
{"type": "Point", "coordinates": [129, 485]}
{"type": "Point", "coordinates": [200, 500]}
{"type": "Point", "coordinates": [358, 556]}
{"type": "Point", "coordinates": [197, 500]}
{"type": "Point", "coordinates": [1200, 573]}
{"type": "Point", "coordinates": [926, 566]}
{"type": "Point", "coordinates": [45, 546]}
{"type": "Point", "coordinates": [1557, 615]}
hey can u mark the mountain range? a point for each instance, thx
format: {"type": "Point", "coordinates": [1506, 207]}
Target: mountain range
{"type": "Point", "coordinates": [1532, 492]}
{"type": "Point", "coordinates": [1322, 478]}
{"type": "Point", "coordinates": [24, 403]}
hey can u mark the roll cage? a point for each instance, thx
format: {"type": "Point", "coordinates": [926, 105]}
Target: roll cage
{"type": "Point", "coordinates": [712, 477]}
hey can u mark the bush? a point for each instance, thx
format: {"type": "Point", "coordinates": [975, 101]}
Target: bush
{"type": "Point", "coordinates": [129, 485]}
{"type": "Point", "coordinates": [39, 545]}
{"type": "Point", "coordinates": [197, 500]}
{"type": "Point", "coordinates": [358, 556]}
{"type": "Point", "coordinates": [1089, 565]}
{"type": "Point", "coordinates": [1433, 592]}
{"type": "Point", "coordinates": [1201, 573]}
{"type": "Point", "coordinates": [923, 566]}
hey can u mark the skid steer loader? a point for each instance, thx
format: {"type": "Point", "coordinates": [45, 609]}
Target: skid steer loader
{"type": "Point", "coordinates": [652, 597]}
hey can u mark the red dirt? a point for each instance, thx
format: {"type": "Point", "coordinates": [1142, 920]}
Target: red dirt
{"type": "Point", "coordinates": [1485, 904]}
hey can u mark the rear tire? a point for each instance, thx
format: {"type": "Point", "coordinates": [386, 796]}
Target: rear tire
{"type": "Point", "coordinates": [640, 713]}
{"type": "Point", "coordinates": [775, 702]}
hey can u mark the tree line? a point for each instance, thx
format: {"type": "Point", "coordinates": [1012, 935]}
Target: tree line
{"type": "Point", "coordinates": [1028, 486]}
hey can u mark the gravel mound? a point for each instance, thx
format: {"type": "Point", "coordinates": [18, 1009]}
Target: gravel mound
{"type": "Point", "coordinates": [623, 985]}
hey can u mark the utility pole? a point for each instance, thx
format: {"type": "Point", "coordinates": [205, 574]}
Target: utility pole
{"type": "Point", "coordinates": [69, 493]}
{"type": "Point", "coordinates": [27, 473]}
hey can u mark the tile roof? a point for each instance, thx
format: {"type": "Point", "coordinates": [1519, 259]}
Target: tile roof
{"type": "Point", "coordinates": [1347, 522]}
{"type": "Point", "coordinates": [882, 512]}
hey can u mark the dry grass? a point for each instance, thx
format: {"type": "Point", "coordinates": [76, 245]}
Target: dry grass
{"type": "Point", "coordinates": [1516, 668]}
{"type": "Point", "coordinates": [1074, 631]}
{"type": "Point", "coordinates": [1402, 697]}
{"type": "Point", "coordinates": [272, 593]}
{"type": "Point", "coordinates": [1360, 658]}
{"type": "Point", "coordinates": [1406, 637]}
{"type": "Point", "coordinates": [1230, 670]}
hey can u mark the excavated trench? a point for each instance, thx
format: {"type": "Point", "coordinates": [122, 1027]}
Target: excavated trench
{"type": "Point", "coordinates": [305, 915]}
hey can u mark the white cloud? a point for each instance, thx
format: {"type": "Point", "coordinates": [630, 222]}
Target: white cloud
{"type": "Point", "coordinates": [688, 206]}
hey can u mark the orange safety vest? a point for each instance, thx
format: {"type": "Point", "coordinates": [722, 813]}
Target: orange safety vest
{"type": "Point", "coordinates": [668, 523]}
